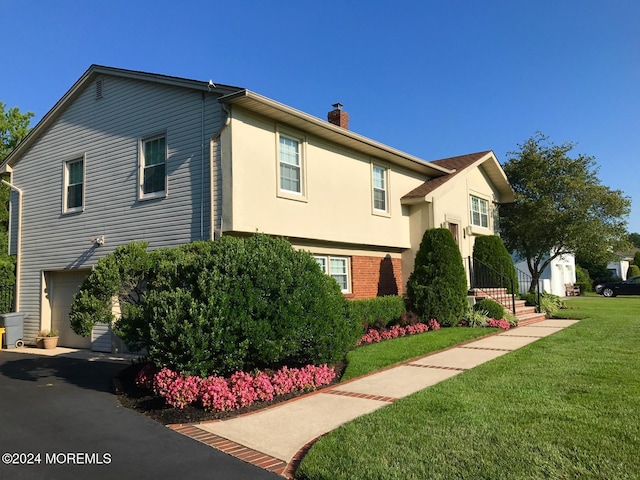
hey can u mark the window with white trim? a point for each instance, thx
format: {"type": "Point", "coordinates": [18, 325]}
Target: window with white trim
{"type": "Point", "coordinates": [337, 268]}
{"type": "Point", "coordinates": [73, 195]}
{"type": "Point", "coordinates": [479, 212]}
{"type": "Point", "coordinates": [379, 184]}
{"type": "Point", "coordinates": [153, 167]}
{"type": "Point", "coordinates": [290, 159]}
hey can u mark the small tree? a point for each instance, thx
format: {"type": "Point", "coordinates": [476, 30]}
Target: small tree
{"type": "Point", "coordinates": [583, 280]}
{"type": "Point", "coordinates": [499, 271]}
{"type": "Point", "coordinates": [437, 287]}
{"type": "Point", "coordinates": [560, 207]}
{"type": "Point", "coordinates": [120, 276]}
{"type": "Point", "coordinates": [636, 258]}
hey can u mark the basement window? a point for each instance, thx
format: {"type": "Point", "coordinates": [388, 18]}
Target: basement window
{"type": "Point", "coordinates": [337, 268]}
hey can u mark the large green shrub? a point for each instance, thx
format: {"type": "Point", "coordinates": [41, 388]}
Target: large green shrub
{"type": "Point", "coordinates": [490, 308]}
{"type": "Point", "coordinates": [549, 304]}
{"type": "Point", "coordinates": [377, 311]}
{"type": "Point", "coordinates": [493, 266]}
{"type": "Point", "coordinates": [437, 287]}
{"type": "Point", "coordinates": [217, 307]}
{"type": "Point", "coordinates": [583, 280]}
{"type": "Point", "coordinates": [633, 271]}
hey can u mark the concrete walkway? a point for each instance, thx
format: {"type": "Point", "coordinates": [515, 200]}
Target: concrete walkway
{"type": "Point", "coordinates": [276, 438]}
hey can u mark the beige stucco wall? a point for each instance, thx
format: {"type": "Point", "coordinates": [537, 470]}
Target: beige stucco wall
{"type": "Point", "coordinates": [450, 204]}
{"type": "Point", "coordinates": [337, 205]}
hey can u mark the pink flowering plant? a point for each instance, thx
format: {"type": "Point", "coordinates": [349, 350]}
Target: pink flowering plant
{"type": "Point", "coordinates": [219, 394]}
{"type": "Point", "coordinates": [502, 323]}
{"type": "Point", "coordinates": [375, 336]}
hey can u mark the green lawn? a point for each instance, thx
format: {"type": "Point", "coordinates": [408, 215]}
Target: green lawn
{"type": "Point", "coordinates": [376, 356]}
{"type": "Point", "coordinates": [566, 406]}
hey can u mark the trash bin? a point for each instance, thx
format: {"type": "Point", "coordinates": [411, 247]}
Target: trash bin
{"type": "Point", "coordinates": [13, 324]}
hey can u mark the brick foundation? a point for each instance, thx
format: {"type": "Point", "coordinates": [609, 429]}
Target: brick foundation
{"type": "Point", "coordinates": [375, 277]}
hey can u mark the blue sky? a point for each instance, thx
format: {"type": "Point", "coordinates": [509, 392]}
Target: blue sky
{"type": "Point", "coordinates": [431, 78]}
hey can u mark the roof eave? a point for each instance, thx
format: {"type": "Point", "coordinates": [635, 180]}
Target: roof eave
{"type": "Point", "coordinates": [498, 178]}
{"type": "Point", "coordinates": [296, 118]}
{"type": "Point", "coordinates": [92, 72]}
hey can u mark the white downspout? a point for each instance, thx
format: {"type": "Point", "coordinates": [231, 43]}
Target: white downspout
{"type": "Point", "coordinates": [19, 246]}
{"type": "Point", "coordinates": [215, 140]}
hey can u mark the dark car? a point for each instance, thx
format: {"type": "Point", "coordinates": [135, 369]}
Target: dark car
{"type": "Point", "coordinates": [631, 286]}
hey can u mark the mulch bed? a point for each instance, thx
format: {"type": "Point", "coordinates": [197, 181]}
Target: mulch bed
{"type": "Point", "coordinates": [144, 401]}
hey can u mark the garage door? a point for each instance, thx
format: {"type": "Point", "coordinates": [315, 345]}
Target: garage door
{"type": "Point", "coordinates": [61, 287]}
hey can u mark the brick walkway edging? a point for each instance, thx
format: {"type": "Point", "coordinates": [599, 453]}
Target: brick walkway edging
{"type": "Point", "coordinates": [280, 467]}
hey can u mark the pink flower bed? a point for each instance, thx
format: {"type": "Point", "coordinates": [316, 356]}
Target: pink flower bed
{"type": "Point", "coordinates": [502, 323]}
{"type": "Point", "coordinates": [374, 336]}
{"type": "Point", "coordinates": [220, 394]}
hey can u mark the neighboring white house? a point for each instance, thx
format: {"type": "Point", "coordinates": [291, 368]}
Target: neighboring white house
{"type": "Point", "coordinates": [560, 272]}
{"type": "Point", "coordinates": [127, 156]}
{"type": "Point", "coordinates": [619, 268]}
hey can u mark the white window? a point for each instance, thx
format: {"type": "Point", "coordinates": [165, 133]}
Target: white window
{"type": "Point", "coordinates": [153, 167]}
{"type": "Point", "coordinates": [290, 165]}
{"type": "Point", "coordinates": [379, 181]}
{"type": "Point", "coordinates": [337, 268]}
{"type": "Point", "coordinates": [73, 195]}
{"type": "Point", "coordinates": [479, 212]}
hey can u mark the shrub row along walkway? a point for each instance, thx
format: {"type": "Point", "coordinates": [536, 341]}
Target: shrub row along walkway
{"type": "Point", "coordinates": [276, 438]}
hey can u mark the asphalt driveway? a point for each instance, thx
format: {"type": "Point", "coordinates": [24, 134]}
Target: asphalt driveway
{"type": "Point", "coordinates": [59, 420]}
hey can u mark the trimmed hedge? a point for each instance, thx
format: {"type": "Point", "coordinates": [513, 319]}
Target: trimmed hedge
{"type": "Point", "coordinates": [377, 311]}
{"type": "Point", "coordinates": [437, 287]}
{"type": "Point", "coordinates": [490, 250]}
{"type": "Point", "coordinates": [218, 307]}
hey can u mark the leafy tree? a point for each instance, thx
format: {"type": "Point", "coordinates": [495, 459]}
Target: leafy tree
{"type": "Point", "coordinates": [636, 258]}
{"type": "Point", "coordinates": [14, 126]}
{"type": "Point", "coordinates": [583, 280]}
{"type": "Point", "coordinates": [598, 271]}
{"type": "Point", "coordinates": [634, 238]}
{"type": "Point", "coordinates": [561, 207]}
{"type": "Point", "coordinates": [437, 287]}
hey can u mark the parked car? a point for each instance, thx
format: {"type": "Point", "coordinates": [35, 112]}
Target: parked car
{"type": "Point", "coordinates": [631, 286]}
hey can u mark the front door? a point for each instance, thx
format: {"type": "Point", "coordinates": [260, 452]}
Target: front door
{"type": "Point", "coordinates": [453, 228]}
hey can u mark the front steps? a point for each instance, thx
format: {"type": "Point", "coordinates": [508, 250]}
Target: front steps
{"type": "Point", "coordinates": [526, 315]}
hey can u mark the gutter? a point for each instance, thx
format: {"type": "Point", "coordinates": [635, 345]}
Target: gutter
{"type": "Point", "coordinates": [19, 246]}
{"type": "Point", "coordinates": [273, 109]}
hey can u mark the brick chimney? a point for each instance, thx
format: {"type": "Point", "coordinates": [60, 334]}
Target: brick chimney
{"type": "Point", "coordinates": [338, 117]}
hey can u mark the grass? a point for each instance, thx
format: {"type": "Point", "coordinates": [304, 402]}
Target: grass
{"type": "Point", "coordinates": [377, 356]}
{"type": "Point", "coordinates": [566, 406]}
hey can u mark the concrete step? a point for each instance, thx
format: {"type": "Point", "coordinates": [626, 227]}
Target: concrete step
{"type": "Point", "coordinates": [522, 310]}
{"type": "Point", "coordinates": [529, 318]}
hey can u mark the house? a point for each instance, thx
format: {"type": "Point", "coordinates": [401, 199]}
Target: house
{"type": "Point", "coordinates": [126, 156]}
{"type": "Point", "coordinates": [619, 267]}
{"type": "Point", "coordinates": [554, 279]}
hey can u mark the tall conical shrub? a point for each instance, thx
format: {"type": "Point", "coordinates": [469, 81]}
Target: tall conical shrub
{"type": "Point", "coordinates": [437, 287]}
{"type": "Point", "coordinates": [495, 267]}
